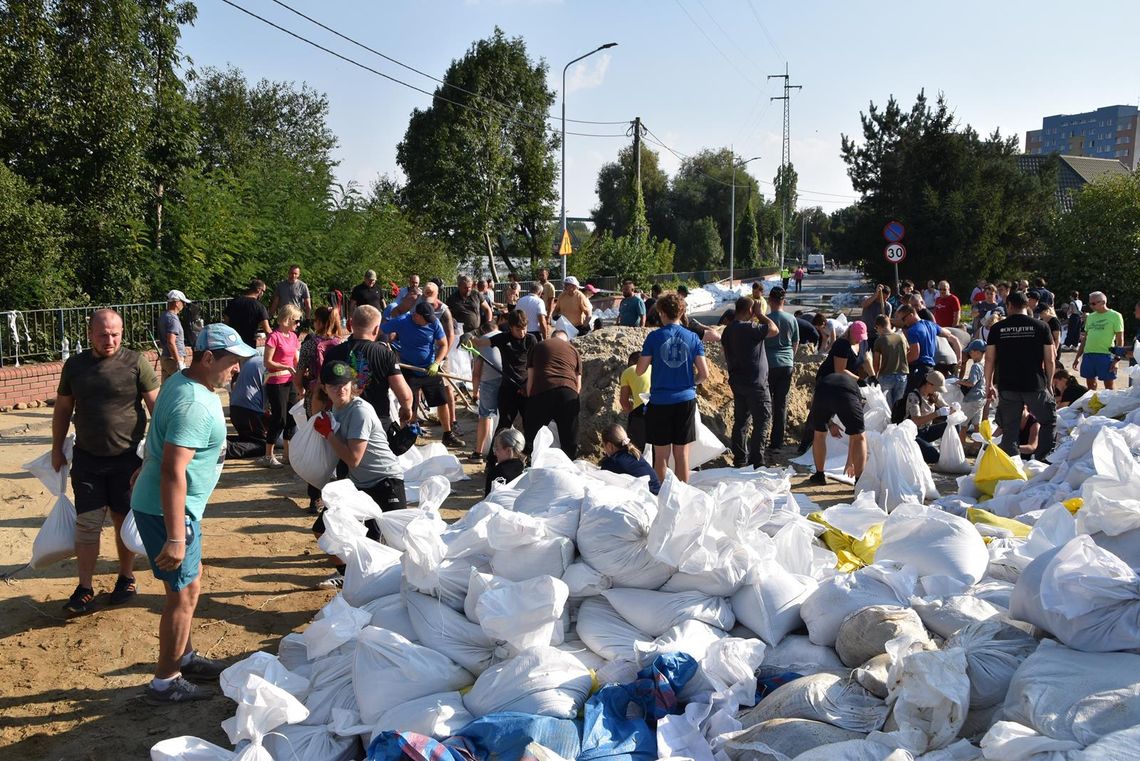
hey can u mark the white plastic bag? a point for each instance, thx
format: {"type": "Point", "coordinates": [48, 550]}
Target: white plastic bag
{"type": "Point", "coordinates": [895, 470]}
{"type": "Point", "coordinates": [934, 543]}
{"type": "Point", "coordinates": [371, 571]}
{"type": "Point", "coordinates": [439, 715]}
{"type": "Point", "coordinates": [187, 748]}
{"type": "Point", "coordinates": [539, 680]}
{"type": "Point", "coordinates": [821, 697]}
{"type": "Point", "coordinates": [930, 695]}
{"type": "Point", "coordinates": [994, 651]}
{"type": "Point", "coordinates": [391, 613]}
{"type": "Point", "coordinates": [584, 581]}
{"type": "Point", "coordinates": [55, 540]}
{"type": "Point", "coordinates": [310, 454]}
{"type": "Point", "coordinates": [838, 597]}
{"type": "Point", "coordinates": [129, 533]}
{"type": "Point", "coordinates": [951, 455]}
{"type": "Point", "coordinates": [604, 631]}
{"type": "Point", "coordinates": [524, 614]}
{"type": "Point", "coordinates": [798, 654]}
{"type": "Point", "coordinates": [448, 632]}
{"type": "Point", "coordinates": [657, 612]}
{"type": "Point", "coordinates": [309, 741]}
{"type": "Point", "coordinates": [770, 604]}
{"type": "Point", "coordinates": [266, 666]}
{"type": "Point", "coordinates": [340, 624]}
{"type": "Point", "coordinates": [541, 557]}
{"type": "Point", "coordinates": [613, 538]}
{"type": "Point", "coordinates": [261, 708]}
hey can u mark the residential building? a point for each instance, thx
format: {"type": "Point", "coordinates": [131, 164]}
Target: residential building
{"type": "Point", "coordinates": [1073, 173]}
{"type": "Point", "coordinates": [1111, 132]}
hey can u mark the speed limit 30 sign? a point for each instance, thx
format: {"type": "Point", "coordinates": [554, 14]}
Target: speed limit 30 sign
{"type": "Point", "coordinates": [895, 253]}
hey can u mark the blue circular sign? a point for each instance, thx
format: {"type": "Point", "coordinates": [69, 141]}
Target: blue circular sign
{"type": "Point", "coordinates": [894, 232]}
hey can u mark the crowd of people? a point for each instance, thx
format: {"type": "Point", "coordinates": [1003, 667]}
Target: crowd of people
{"type": "Point", "coordinates": [364, 380]}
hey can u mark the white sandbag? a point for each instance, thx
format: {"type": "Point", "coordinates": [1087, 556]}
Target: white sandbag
{"type": "Point", "coordinates": [706, 448]}
{"type": "Point", "coordinates": [565, 325]}
{"type": "Point", "coordinates": [945, 616]}
{"type": "Point", "coordinates": [539, 680]}
{"type": "Point", "coordinates": [424, 551]}
{"type": "Point", "coordinates": [453, 578]}
{"type": "Point", "coordinates": [821, 697]}
{"type": "Point", "coordinates": [681, 534]}
{"type": "Point", "coordinates": [440, 715]}
{"type": "Point", "coordinates": [838, 597]}
{"type": "Point", "coordinates": [541, 557]}
{"type": "Point", "coordinates": [994, 651]}
{"type": "Point", "coordinates": [853, 750]}
{"type": "Point", "coordinates": [865, 633]}
{"type": "Point", "coordinates": [690, 636]}
{"type": "Point", "coordinates": [310, 455]}
{"type": "Point", "coordinates": [508, 529]}
{"type": "Point", "coordinates": [187, 748]}
{"type": "Point", "coordinates": [1010, 741]}
{"type": "Point", "coordinates": [330, 686]}
{"type": "Point", "coordinates": [340, 624]}
{"type": "Point", "coordinates": [261, 708]}
{"type": "Point", "coordinates": [391, 613]}
{"type": "Point", "coordinates": [544, 489]}
{"type": "Point", "coordinates": [55, 541]}
{"type": "Point", "coordinates": [1083, 595]}
{"type": "Point", "coordinates": [372, 570]}
{"type": "Point", "coordinates": [1111, 499]}
{"type": "Point", "coordinates": [394, 523]}
{"type": "Point", "coordinates": [603, 630]}
{"type": "Point", "coordinates": [346, 509]}
{"type": "Point", "coordinates": [446, 465]}
{"type": "Point", "coordinates": [874, 675]}
{"type": "Point", "coordinates": [929, 694]}
{"type": "Point", "coordinates": [784, 738]}
{"type": "Point", "coordinates": [55, 481]}
{"type": "Point", "coordinates": [129, 533]}
{"type": "Point", "coordinates": [613, 538]}
{"type": "Point", "coordinates": [293, 654]}
{"type": "Point", "coordinates": [770, 604]}
{"type": "Point", "coordinates": [797, 551]}
{"type": "Point", "coordinates": [525, 613]}
{"type": "Point", "coordinates": [798, 654]}
{"type": "Point", "coordinates": [733, 568]}
{"type": "Point", "coordinates": [308, 741]}
{"type": "Point", "coordinates": [951, 455]}
{"type": "Point", "coordinates": [895, 470]}
{"type": "Point", "coordinates": [657, 612]}
{"type": "Point", "coordinates": [584, 581]}
{"type": "Point", "coordinates": [389, 670]}
{"type": "Point", "coordinates": [449, 632]}
{"type": "Point", "coordinates": [268, 667]}
{"type": "Point", "coordinates": [1070, 695]}
{"type": "Point", "coordinates": [933, 543]}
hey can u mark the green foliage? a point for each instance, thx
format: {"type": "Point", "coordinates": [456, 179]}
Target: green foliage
{"type": "Point", "coordinates": [1097, 244]}
{"type": "Point", "coordinates": [968, 210]}
{"type": "Point", "coordinates": [747, 239]}
{"type": "Point", "coordinates": [33, 269]}
{"type": "Point", "coordinates": [666, 252]}
{"type": "Point", "coordinates": [702, 189]}
{"type": "Point", "coordinates": [616, 188]}
{"type": "Point", "coordinates": [474, 175]}
{"type": "Point", "coordinates": [700, 247]}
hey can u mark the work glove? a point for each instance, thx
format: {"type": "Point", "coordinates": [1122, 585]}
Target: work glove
{"type": "Point", "coordinates": [323, 425]}
{"type": "Point", "coordinates": [433, 368]}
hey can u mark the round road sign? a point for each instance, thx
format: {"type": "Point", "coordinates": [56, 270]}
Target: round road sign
{"type": "Point", "coordinates": [895, 253]}
{"type": "Point", "coordinates": [894, 232]}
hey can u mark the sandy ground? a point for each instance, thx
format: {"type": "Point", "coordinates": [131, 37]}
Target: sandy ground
{"type": "Point", "coordinates": [71, 689]}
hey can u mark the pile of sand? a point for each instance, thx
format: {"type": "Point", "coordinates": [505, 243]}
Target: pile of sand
{"type": "Point", "coordinates": [605, 353]}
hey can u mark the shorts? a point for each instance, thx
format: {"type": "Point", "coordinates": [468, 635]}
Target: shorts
{"type": "Point", "coordinates": [103, 481]}
{"type": "Point", "coordinates": [671, 424]}
{"type": "Point", "coordinates": [1097, 366]}
{"type": "Point", "coordinates": [973, 412]}
{"type": "Point", "coordinates": [152, 531]}
{"type": "Point", "coordinates": [489, 397]}
{"type": "Point", "coordinates": [839, 400]}
{"type": "Point", "coordinates": [431, 386]}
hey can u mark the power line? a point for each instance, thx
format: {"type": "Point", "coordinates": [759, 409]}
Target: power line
{"type": "Point", "coordinates": [764, 29]}
{"type": "Point", "coordinates": [390, 59]}
{"type": "Point", "coordinates": [713, 43]}
{"type": "Point", "coordinates": [727, 36]}
{"type": "Point", "coordinates": [390, 78]}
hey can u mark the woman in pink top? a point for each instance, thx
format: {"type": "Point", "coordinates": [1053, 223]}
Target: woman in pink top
{"type": "Point", "coordinates": [280, 367]}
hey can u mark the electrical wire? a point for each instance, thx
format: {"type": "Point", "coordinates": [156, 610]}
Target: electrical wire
{"type": "Point", "coordinates": [764, 29]}
{"type": "Point", "coordinates": [390, 59]}
{"type": "Point", "coordinates": [712, 42]}
{"type": "Point", "coordinates": [390, 78]}
{"type": "Point", "coordinates": [727, 36]}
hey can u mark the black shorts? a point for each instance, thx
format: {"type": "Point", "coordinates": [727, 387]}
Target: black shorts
{"type": "Point", "coordinates": [668, 424]}
{"type": "Point", "coordinates": [431, 386]}
{"type": "Point", "coordinates": [838, 396]}
{"type": "Point", "coordinates": [103, 481]}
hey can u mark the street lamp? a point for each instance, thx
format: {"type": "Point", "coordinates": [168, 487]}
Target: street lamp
{"type": "Point", "coordinates": [564, 68]}
{"type": "Point", "coordinates": [732, 222]}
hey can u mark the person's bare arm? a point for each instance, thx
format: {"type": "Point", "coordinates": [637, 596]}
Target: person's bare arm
{"type": "Point", "coordinates": [643, 363]}
{"type": "Point", "coordinates": [625, 398]}
{"type": "Point", "coordinates": [350, 452]}
{"type": "Point", "coordinates": [60, 423]}
{"type": "Point", "coordinates": [1080, 351]}
{"type": "Point", "coordinates": [1050, 362]}
{"type": "Point", "coordinates": [308, 307]}
{"type": "Point", "coordinates": [172, 491]}
{"type": "Point", "coordinates": [955, 344]}
{"type": "Point", "coordinates": [148, 397]}
{"type": "Point", "coordinates": [273, 303]}
{"type": "Point", "coordinates": [641, 320]}
{"type": "Point", "coordinates": [476, 377]}
{"type": "Point", "coordinates": [991, 361]}
{"type": "Point", "coordinates": [403, 394]}
{"type": "Point", "coordinates": [702, 369]}
{"type": "Point", "coordinates": [876, 362]}
{"type": "Point", "coordinates": [172, 347]}
{"type": "Point", "coordinates": [441, 347]}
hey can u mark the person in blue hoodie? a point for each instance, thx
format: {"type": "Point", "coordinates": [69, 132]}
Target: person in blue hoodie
{"type": "Point", "coordinates": [623, 457]}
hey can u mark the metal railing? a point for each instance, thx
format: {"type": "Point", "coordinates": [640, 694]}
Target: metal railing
{"type": "Point", "coordinates": [46, 335]}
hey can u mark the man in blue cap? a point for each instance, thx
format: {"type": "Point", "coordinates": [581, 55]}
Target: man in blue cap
{"type": "Point", "coordinates": [185, 449]}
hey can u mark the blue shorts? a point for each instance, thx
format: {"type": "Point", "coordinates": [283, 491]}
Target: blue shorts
{"type": "Point", "coordinates": [489, 397]}
{"type": "Point", "coordinates": [152, 531]}
{"type": "Point", "coordinates": [1097, 366]}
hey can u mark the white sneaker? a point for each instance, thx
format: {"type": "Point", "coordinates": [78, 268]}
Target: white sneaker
{"type": "Point", "coordinates": [336, 581]}
{"type": "Point", "coordinates": [270, 461]}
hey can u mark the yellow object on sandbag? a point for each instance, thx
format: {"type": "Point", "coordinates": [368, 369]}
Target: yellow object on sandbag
{"type": "Point", "coordinates": [1095, 404]}
{"type": "Point", "coordinates": [852, 553]}
{"type": "Point", "coordinates": [1073, 504]}
{"type": "Point", "coordinates": [995, 465]}
{"type": "Point", "coordinates": [1016, 528]}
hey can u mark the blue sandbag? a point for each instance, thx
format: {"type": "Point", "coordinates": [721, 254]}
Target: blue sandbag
{"type": "Point", "coordinates": [501, 736]}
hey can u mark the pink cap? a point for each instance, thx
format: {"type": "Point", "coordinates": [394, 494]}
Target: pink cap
{"type": "Point", "coordinates": [857, 332]}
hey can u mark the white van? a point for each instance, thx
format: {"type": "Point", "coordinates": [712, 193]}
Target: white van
{"type": "Point", "coordinates": [815, 263]}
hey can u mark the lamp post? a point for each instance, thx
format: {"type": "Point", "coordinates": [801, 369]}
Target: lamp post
{"type": "Point", "coordinates": [564, 69]}
{"type": "Point", "coordinates": [732, 221]}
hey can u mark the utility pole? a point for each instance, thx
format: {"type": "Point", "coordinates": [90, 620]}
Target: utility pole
{"type": "Point", "coordinates": [785, 148]}
{"type": "Point", "coordinates": [637, 130]}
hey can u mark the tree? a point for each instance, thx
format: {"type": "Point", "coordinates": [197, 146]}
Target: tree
{"type": "Point", "coordinates": [700, 247]}
{"type": "Point", "coordinates": [34, 271]}
{"type": "Point", "coordinates": [703, 188]}
{"type": "Point", "coordinates": [477, 167]}
{"type": "Point", "coordinates": [747, 238]}
{"type": "Point", "coordinates": [785, 184]}
{"type": "Point", "coordinates": [615, 188]}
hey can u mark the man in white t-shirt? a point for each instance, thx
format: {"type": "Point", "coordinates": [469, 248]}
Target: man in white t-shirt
{"type": "Point", "coordinates": [535, 309]}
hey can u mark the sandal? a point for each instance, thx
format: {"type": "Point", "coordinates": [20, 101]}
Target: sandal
{"type": "Point", "coordinates": [124, 590]}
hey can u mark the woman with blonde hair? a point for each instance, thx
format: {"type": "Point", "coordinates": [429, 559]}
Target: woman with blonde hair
{"type": "Point", "coordinates": [280, 366]}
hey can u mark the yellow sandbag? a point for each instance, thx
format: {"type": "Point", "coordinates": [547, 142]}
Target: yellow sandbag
{"type": "Point", "coordinates": [1095, 404]}
{"type": "Point", "coordinates": [986, 518]}
{"type": "Point", "coordinates": [995, 465]}
{"type": "Point", "coordinates": [852, 553]}
{"type": "Point", "coordinates": [1074, 504]}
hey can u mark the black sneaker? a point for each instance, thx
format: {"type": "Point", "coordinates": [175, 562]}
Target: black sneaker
{"type": "Point", "coordinates": [124, 590]}
{"type": "Point", "coordinates": [316, 506]}
{"type": "Point", "coordinates": [475, 457]}
{"type": "Point", "coordinates": [202, 669]}
{"type": "Point", "coordinates": [818, 479]}
{"type": "Point", "coordinates": [179, 691]}
{"type": "Point", "coordinates": [82, 600]}
{"type": "Point", "coordinates": [451, 440]}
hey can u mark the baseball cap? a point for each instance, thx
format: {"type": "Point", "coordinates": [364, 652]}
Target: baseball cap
{"type": "Point", "coordinates": [177, 296]}
{"type": "Point", "coordinates": [571, 280]}
{"type": "Point", "coordinates": [683, 290]}
{"type": "Point", "coordinates": [936, 379]}
{"type": "Point", "coordinates": [423, 309]}
{"type": "Point", "coordinates": [976, 345]}
{"type": "Point", "coordinates": [1033, 293]}
{"type": "Point", "coordinates": [857, 331]}
{"type": "Point", "coordinates": [590, 289]}
{"type": "Point", "coordinates": [336, 372]}
{"type": "Point", "coordinates": [369, 274]}
{"type": "Point", "coordinates": [218, 336]}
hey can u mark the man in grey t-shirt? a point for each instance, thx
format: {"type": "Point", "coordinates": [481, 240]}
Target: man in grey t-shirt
{"type": "Point", "coordinates": [171, 337]}
{"type": "Point", "coordinates": [292, 291]}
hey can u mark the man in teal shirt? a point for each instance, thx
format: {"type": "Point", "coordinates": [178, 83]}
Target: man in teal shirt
{"type": "Point", "coordinates": [781, 349]}
{"type": "Point", "coordinates": [185, 448]}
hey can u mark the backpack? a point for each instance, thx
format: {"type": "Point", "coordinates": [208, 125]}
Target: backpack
{"type": "Point", "coordinates": [898, 411]}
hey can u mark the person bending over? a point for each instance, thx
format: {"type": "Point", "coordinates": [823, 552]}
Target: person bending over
{"type": "Point", "coordinates": [623, 457]}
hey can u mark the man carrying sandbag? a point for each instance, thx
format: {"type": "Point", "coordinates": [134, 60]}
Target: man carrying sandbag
{"type": "Point", "coordinates": [102, 390]}
{"type": "Point", "coordinates": [185, 450]}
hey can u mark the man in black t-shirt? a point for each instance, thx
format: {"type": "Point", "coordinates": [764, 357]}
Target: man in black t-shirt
{"type": "Point", "coordinates": [1020, 361]}
{"type": "Point", "coordinates": [375, 364]}
{"type": "Point", "coordinates": [366, 293]}
{"type": "Point", "coordinates": [246, 314]}
{"type": "Point", "coordinates": [747, 362]}
{"type": "Point", "coordinates": [467, 307]}
{"type": "Point", "coordinates": [514, 347]}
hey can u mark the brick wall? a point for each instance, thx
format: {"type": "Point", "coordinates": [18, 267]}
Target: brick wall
{"type": "Point", "coordinates": [37, 382]}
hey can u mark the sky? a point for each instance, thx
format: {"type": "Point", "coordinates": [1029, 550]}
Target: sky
{"type": "Point", "coordinates": [695, 71]}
